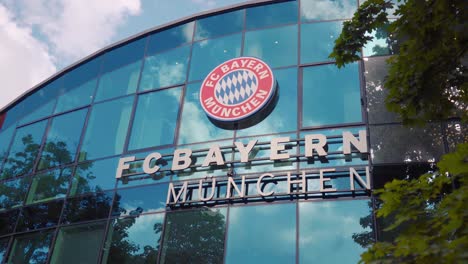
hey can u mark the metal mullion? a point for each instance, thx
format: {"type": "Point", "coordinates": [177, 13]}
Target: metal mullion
{"type": "Point", "coordinates": [53, 116]}
{"type": "Point", "coordinates": [135, 100]}
{"type": "Point", "coordinates": [325, 21]}
{"type": "Point", "coordinates": [161, 240]}
{"type": "Point", "coordinates": [161, 88]}
{"type": "Point", "coordinates": [343, 126]}
{"type": "Point", "coordinates": [226, 230]}
{"type": "Point", "coordinates": [8, 248]}
{"type": "Point", "coordinates": [107, 226]}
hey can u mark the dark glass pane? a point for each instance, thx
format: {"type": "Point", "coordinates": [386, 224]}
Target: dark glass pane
{"type": "Point", "coordinates": [165, 69]}
{"type": "Point", "coordinates": [135, 201]}
{"type": "Point", "coordinates": [91, 207]}
{"type": "Point", "coordinates": [3, 248]}
{"type": "Point", "coordinates": [81, 74]}
{"type": "Point", "coordinates": [262, 234]}
{"type": "Point", "coordinates": [63, 139]}
{"type": "Point", "coordinates": [399, 144]}
{"type": "Point", "coordinates": [318, 40]}
{"type": "Point", "coordinates": [207, 54]}
{"type": "Point", "coordinates": [8, 222]}
{"type": "Point", "coordinates": [194, 118]}
{"type": "Point", "coordinates": [170, 38]}
{"type": "Point", "coordinates": [119, 82]}
{"type": "Point", "coordinates": [219, 25]}
{"type": "Point", "coordinates": [456, 134]}
{"type": "Point", "coordinates": [107, 128]}
{"type": "Point", "coordinates": [41, 112]}
{"type": "Point", "coordinates": [31, 248]}
{"type": "Point", "coordinates": [78, 244]}
{"type": "Point", "coordinates": [123, 55]}
{"type": "Point", "coordinates": [331, 95]}
{"type": "Point", "coordinates": [79, 96]}
{"type": "Point", "coordinates": [376, 70]}
{"type": "Point", "coordinates": [5, 139]}
{"type": "Point", "coordinates": [327, 9]}
{"type": "Point", "coordinates": [12, 193]}
{"type": "Point", "coordinates": [334, 145]}
{"type": "Point", "coordinates": [194, 236]}
{"type": "Point", "coordinates": [283, 118]}
{"type": "Point", "coordinates": [39, 216]}
{"type": "Point", "coordinates": [94, 176]}
{"type": "Point", "coordinates": [157, 128]}
{"type": "Point", "coordinates": [270, 15]}
{"type": "Point", "coordinates": [276, 46]}
{"type": "Point", "coordinates": [330, 231]}
{"type": "Point", "coordinates": [24, 150]}
{"type": "Point", "coordinates": [49, 185]}
{"type": "Point", "coordinates": [134, 240]}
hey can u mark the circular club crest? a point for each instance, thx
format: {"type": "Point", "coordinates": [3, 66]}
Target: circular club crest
{"type": "Point", "coordinates": [237, 89]}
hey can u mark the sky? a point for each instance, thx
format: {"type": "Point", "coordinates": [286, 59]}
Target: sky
{"type": "Point", "coordinates": [40, 37]}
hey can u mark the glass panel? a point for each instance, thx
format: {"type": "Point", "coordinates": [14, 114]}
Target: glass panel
{"type": "Point", "coordinates": [376, 70]}
{"type": "Point", "coordinates": [219, 25]}
{"type": "Point", "coordinates": [78, 244]}
{"type": "Point", "coordinates": [209, 53]}
{"type": "Point", "coordinates": [81, 74]}
{"type": "Point", "coordinates": [165, 69]}
{"type": "Point", "coordinates": [63, 139]}
{"type": "Point", "coordinates": [270, 15]}
{"type": "Point", "coordinates": [327, 9]}
{"type": "Point", "coordinates": [8, 222]}
{"type": "Point", "coordinates": [170, 38]}
{"type": "Point", "coordinates": [382, 43]}
{"type": "Point", "coordinates": [107, 128]}
{"type": "Point", "coordinates": [31, 248]}
{"type": "Point", "coordinates": [79, 96]}
{"type": "Point", "coordinates": [94, 176]}
{"type": "Point", "coordinates": [91, 207]}
{"type": "Point", "coordinates": [135, 201]}
{"type": "Point", "coordinates": [39, 216]}
{"type": "Point", "coordinates": [119, 82]}
{"type": "Point", "coordinates": [124, 55]}
{"type": "Point", "coordinates": [276, 46]}
{"type": "Point", "coordinates": [3, 248]}
{"type": "Point", "coordinates": [262, 234]}
{"type": "Point", "coordinates": [24, 150]}
{"type": "Point", "coordinates": [398, 144]}
{"type": "Point", "coordinates": [318, 40]}
{"type": "Point", "coordinates": [134, 240]}
{"type": "Point", "coordinates": [12, 193]}
{"type": "Point", "coordinates": [283, 118]}
{"type": "Point", "coordinates": [329, 230]}
{"type": "Point", "coordinates": [157, 128]}
{"type": "Point", "coordinates": [194, 119]}
{"type": "Point", "coordinates": [332, 95]}
{"type": "Point", "coordinates": [5, 139]}
{"type": "Point", "coordinates": [39, 113]}
{"type": "Point", "coordinates": [194, 236]}
{"type": "Point", "coordinates": [49, 185]}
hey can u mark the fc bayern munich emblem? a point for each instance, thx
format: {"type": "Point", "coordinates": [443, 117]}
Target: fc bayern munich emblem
{"type": "Point", "coordinates": [237, 89]}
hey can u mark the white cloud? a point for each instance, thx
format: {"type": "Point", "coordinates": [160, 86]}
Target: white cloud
{"type": "Point", "coordinates": [25, 60]}
{"type": "Point", "coordinates": [205, 3]}
{"type": "Point", "coordinates": [77, 28]}
{"type": "Point", "coordinates": [40, 36]}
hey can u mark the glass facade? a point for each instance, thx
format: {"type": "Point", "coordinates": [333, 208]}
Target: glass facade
{"type": "Point", "coordinates": [60, 199]}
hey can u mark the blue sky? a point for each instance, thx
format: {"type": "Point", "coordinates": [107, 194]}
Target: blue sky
{"type": "Point", "coordinates": [40, 37]}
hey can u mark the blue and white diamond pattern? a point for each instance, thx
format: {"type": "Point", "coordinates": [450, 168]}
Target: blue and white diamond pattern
{"type": "Point", "coordinates": [236, 87]}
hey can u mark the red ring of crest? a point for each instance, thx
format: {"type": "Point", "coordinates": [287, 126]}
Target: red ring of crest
{"type": "Point", "coordinates": [256, 101]}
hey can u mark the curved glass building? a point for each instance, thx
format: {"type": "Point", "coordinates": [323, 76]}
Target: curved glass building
{"type": "Point", "coordinates": [114, 159]}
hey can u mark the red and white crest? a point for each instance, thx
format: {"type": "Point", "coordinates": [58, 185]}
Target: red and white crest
{"type": "Point", "coordinates": [237, 89]}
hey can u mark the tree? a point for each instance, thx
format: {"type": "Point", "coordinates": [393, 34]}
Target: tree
{"type": "Point", "coordinates": [426, 216]}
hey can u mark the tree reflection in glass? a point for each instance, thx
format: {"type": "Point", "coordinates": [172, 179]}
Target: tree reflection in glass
{"type": "Point", "coordinates": [194, 236]}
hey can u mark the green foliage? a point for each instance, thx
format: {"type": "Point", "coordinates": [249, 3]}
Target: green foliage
{"type": "Point", "coordinates": [426, 80]}
{"type": "Point", "coordinates": [430, 216]}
